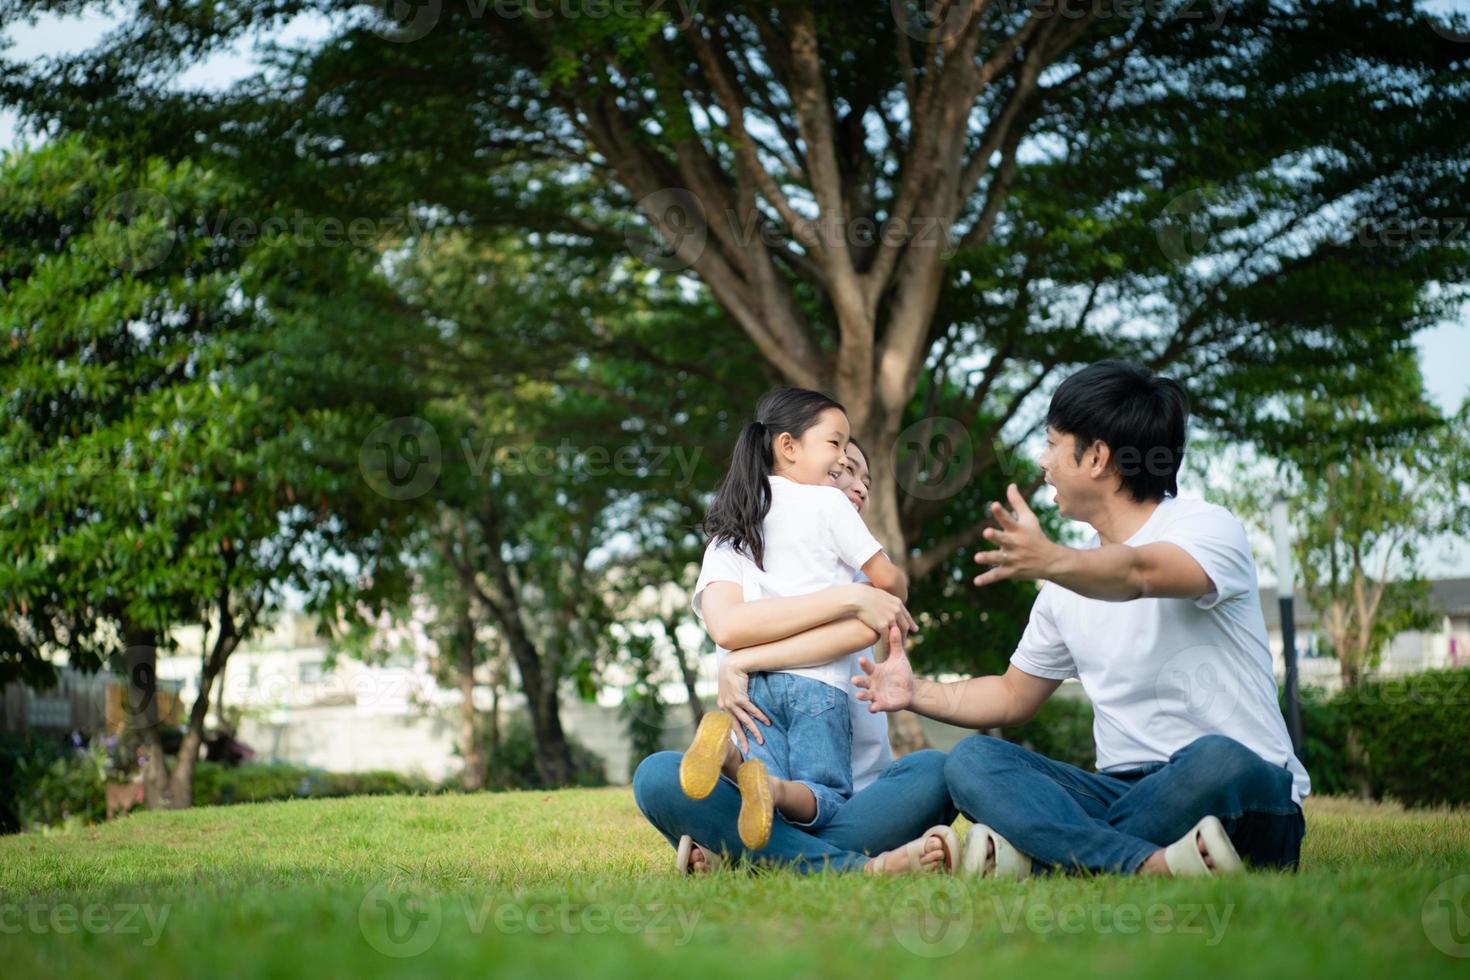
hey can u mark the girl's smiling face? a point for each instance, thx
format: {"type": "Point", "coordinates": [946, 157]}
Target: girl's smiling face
{"type": "Point", "coordinates": [819, 456]}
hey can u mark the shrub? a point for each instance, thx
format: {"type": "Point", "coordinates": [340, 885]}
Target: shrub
{"type": "Point", "coordinates": [1414, 734]}
{"type": "Point", "coordinates": [216, 784]}
{"type": "Point", "coordinates": [21, 756]}
{"type": "Point", "coordinates": [44, 782]}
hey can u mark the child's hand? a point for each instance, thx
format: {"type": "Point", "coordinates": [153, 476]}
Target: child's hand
{"type": "Point", "coordinates": [888, 686]}
{"type": "Point", "coordinates": [879, 610]}
{"type": "Point", "coordinates": [734, 701]}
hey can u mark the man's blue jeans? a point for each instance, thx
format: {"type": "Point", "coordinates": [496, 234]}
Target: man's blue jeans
{"type": "Point", "coordinates": [1071, 819]}
{"type": "Point", "coordinates": [907, 799]}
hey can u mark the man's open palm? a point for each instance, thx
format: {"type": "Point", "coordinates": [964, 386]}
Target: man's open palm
{"type": "Point", "coordinates": [888, 686]}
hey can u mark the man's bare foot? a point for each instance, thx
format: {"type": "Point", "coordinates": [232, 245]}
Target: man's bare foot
{"type": "Point", "coordinates": [1156, 865]}
{"type": "Point", "coordinates": [697, 862]}
{"type": "Point", "coordinates": [896, 861]}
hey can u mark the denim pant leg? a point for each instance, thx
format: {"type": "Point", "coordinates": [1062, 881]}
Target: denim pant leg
{"type": "Point", "coordinates": [809, 739]}
{"type": "Point", "coordinates": [908, 798]}
{"type": "Point", "coordinates": [1054, 812]}
{"type": "Point", "coordinates": [768, 692]}
{"type": "Point", "coordinates": [819, 745]}
{"type": "Point", "coordinates": [1216, 775]}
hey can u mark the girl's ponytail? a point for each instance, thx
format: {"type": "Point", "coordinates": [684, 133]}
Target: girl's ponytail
{"type": "Point", "coordinates": [743, 497]}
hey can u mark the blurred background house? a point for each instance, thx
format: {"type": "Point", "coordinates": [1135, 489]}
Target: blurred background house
{"type": "Point", "coordinates": [1446, 645]}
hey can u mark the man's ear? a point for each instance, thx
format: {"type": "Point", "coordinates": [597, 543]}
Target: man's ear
{"type": "Point", "coordinates": [1099, 458]}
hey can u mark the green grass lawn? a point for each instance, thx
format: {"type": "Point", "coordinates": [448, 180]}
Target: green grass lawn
{"type": "Point", "coordinates": [575, 882]}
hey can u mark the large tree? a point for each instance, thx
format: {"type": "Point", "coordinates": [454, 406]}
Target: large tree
{"type": "Point", "coordinates": [932, 215]}
{"type": "Point", "coordinates": [162, 467]}
{"type": "Point", "coordinates": [882, 197]}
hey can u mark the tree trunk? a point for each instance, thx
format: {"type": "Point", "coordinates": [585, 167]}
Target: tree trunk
{"type": "Point", "coordinates": [181, 781]}
{"type": "Point", "coordinates": [141, 706]}
{"type": "Point", "coordinates": [469, 736]}
{"type": "Point", "coordinates": [493, 735]}
{"type": "Point", "coordinates": [553, 754]}
{"type": "Point", "coordinates": [688, 671]}
{"type": "Point", "coordinates": [905, 734]}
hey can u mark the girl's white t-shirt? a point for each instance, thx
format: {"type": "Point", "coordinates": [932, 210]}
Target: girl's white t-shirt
{"type": "Point", "coordinates": [1162, 672]}
{"type": "Point", "coordinates": [814, 539]}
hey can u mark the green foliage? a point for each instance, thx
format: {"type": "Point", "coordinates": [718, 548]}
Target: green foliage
{"type": "Point", "coordinates": [66, 791]}
{"type": "Point", "coordinates": [44, 783]}
{"type": "Point", "coordinates": [165, 458]}
{"type": "Point", "coordinates": [218, 785]}
{"type": "Point", "coordinates": [22, 759]}
{"type": "Point", "coordinates": [19, 753]}
{"type": "Point", "coordinates": [511, 764]}
{"type": "Point", "coordinates": [1413, 736]}
{"type": "Point", "coordinates": [1382, 477]}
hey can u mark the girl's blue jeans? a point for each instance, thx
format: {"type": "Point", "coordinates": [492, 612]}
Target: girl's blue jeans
{"type": "Point", "coordinates": [809, 739]}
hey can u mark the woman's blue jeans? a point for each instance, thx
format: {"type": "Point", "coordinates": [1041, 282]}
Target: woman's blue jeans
{"type": "Point", "coordinates": [1068, 818]}
{"type": "Point", "coordinates": [906, 799]}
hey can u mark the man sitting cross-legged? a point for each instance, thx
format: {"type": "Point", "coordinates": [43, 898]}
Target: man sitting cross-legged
{"type": "Point", "coordinates": [1159, 618]}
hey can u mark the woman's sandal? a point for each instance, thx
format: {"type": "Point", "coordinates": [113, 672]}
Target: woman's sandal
{"type": "Point", "coordinates": [683, 859]}
{"type": "Point", "coordinates": [1185, 860]}
{"type": "Point", "coordinates": [1007, 862]}
{"type": "Point", "coordinates": [699, 770]}
{"type": "Point", "coordinates": [913, 851]}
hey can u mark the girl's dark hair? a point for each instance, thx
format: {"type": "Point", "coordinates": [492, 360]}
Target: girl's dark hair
{"type": "Point", "coordinates": [743, 497]}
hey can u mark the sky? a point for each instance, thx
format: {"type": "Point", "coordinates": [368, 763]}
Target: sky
{"type": "Point", "coordinates": [1444, 349]}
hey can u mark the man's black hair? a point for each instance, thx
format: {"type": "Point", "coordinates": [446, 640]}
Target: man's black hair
{"type": "Point", "coordinates": [1138, 414]}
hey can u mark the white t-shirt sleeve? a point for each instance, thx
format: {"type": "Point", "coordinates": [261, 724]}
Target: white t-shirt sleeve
{"type": "Point", "coordinates": [1214, 538]}
{"type": "Point", "coordinates": [846, 531]}
{"type": "Point", "coordinates": [1041, 652]}
{"type": "Point", "coordinates": [722, 563]}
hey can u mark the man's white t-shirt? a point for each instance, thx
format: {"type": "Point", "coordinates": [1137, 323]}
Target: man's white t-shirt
{"type": "Point", "coordinates": [1162, 672]}
{"type": "Point", "coordinates": [871, 753]}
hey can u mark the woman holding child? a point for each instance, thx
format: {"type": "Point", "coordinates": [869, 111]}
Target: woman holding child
{"type": "Point", "coordinates": [793, 769]}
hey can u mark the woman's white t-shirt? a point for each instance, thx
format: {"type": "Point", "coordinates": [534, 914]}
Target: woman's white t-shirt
{"type": "Point", "coordinates": [1162, 672]}
{"type": "Point", "coordinates": [814, 539]}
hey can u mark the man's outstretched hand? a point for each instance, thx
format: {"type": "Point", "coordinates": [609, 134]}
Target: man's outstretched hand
{"type": "Point", "coordinates": [888, 686]}
{"type": "Point", "coordinates": [1022, 548]}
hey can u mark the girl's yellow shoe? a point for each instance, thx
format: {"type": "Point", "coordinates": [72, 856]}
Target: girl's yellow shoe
{"type": "Point", "coordinates": [700, 768]}
{"type": "Point", "coordinates": [756, 806]}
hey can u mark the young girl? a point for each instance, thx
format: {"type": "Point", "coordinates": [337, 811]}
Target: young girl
{"type": "Point", "coordinates": [780, 506]}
